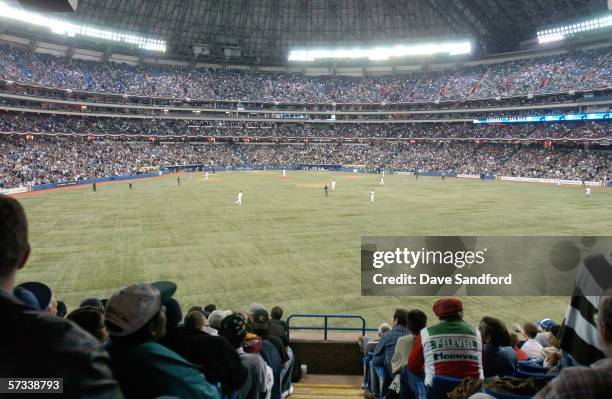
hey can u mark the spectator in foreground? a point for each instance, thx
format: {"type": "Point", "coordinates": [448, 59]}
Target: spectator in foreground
{"type": "Point", "coordinates": [452, 338]}
{"type": "Point", "coordinates": [417, 320]}
{"type": "Point", "coordinates": [214, 320]}
{"type": "Point", "coordinates": [498, 358]}
{"type": "Point", "coordinates": [383, 353]}
{"type": "Point", "coordinates": [544, 334]}
{"type": "Point", "coordinates": [62, 309]}
{"type": "Point", "coordinates": [34, 343]}
{"type": "Point", "coordinates": [41, 292]}
{"type": "Point", "coordinates": [276, 319]}
{"type": "Point", "coordinates": [594, 382]}
{"type": "Point", "coordinates": [136, 319]}
{"type": "Point", "coordinates": [367, 344]}
{"type": "Point", "coordinates": [520, 354]}
{"type": "Point", "coordinates": [272, 349]}
{"type": "Point", "coordinates": [234, 329]}
{"type": "Point", "coordinates": [215, 358]}
{"type": "Point", "coordinates": [208, 309]}
{"type": "Point", "coordinates": [91, 320]}
{"type": "Point", "coordinates": [93, 302]}
{"type": "Point", "coordinates": [531, 347]}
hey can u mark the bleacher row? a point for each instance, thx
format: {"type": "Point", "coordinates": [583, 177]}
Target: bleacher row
{"type": "Point", "coordinates": [452, 359]}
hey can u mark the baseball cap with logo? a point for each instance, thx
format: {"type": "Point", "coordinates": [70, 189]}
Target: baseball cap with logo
{"type": "Point", "coordinates": [130, 308]}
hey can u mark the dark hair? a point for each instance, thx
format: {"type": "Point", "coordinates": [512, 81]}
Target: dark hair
{"type": "Point", "coordinates": [14, 246]}
{"type": "Point", "coordinates": [61, 309]}
{"type": "Point", "coordinates": [496, 331]}
{"type": "Point", "coordinates": [531, 330]}
{"type": "Point", "coordinates": [210, 308]}
{"type": "Point", "coordinates": [401, 315]}
{"type": "Point", "coordinates": [196, 309]}
{"type": "Point", "coordinates": [555, 330]}
{"type": "Point", "coordinates": [417, 320]}
{"type": "Point", "coordinates": [514, 340]}
{"type": "Point", "coordinates": [276, 313]}
{"type": "Point", "coordinates": [194, 320]}
{"type": "Point", "coordinates": [174, 314]}
{"type": "Point", "coordinates": [91, 301]}
{"type": "Point", "coordinates": [89, 318]}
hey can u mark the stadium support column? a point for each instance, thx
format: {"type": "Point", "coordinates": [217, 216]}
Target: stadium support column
{"type": "Point", "coordinates": [107, 53]}
{"type": "Point", "coordinates": [33, 45]}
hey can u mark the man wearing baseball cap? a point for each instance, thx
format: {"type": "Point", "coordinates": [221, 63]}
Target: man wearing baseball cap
{"type": "Point", "coordinates": [136, 319]}
{"type": "Point", "coordinates": [450, 348]}
{"type": "Point", "coordinates": [35, 343]}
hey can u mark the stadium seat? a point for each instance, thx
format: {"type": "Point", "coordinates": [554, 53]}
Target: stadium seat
{"type": "Point", "coordinates": [504, 395]}
{"type": "Point", "coordinates": [411, 385]}
{"type": "Point", "coordinates": [525, 374]}
{"type": "Point", "coordinates": [441, 385]}
{"type": "Point", "coordinates": [531, 367]}
{"type": "Point", "coordinates": [381, 372]}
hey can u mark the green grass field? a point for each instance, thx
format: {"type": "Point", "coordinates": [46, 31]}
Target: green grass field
{"type": "Point", "coordinates": [287, 245]}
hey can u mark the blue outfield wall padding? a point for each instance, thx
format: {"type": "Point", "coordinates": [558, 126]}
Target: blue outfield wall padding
{"type": "Point", "coordinates": [43, 186]}
{"type": "Point", "coordinates": [90, 181]}
{"type": "Point", "coordinates": [436, 174]}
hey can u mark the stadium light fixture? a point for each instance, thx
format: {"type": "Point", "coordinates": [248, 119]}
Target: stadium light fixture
{"type": "Point", "coordinates": [381, 53]}
{"type": "Point", "coordinates": [560, 33]}
{"type": "Point", "coordinates": [62, 27]}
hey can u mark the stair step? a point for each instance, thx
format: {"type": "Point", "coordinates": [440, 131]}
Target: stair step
{"type": "Point", "coordinates": [327, 393]}
{"type": "Point", "coordinates": [317, 396]}
{"type": "Point", "coordinates": [311, 385]}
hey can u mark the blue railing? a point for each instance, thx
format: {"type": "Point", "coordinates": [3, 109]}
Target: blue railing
{"type": "Point", "coordinates": [326, 327]}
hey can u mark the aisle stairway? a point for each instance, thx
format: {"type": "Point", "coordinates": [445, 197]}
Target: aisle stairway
{"type": "Point", "coordinates": [328, 387]}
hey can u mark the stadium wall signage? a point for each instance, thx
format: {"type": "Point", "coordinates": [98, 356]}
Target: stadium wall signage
{"type": "Point", "coordinates": [16, 190]}
{"type": "Point", "coordinates": [484, 265]}
{"type": "Point", "coordinates": [550, 181]}
{"type": "Point", "coordinates": [600, 116]}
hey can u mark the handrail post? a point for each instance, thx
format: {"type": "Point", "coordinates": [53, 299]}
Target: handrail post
{"type": "Point", "coordinates": [325, 330]}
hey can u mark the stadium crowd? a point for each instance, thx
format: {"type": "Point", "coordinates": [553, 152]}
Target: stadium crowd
{"type": "Point", "coordinates": [582, 70]}
{"type": "Point", "coordinates": [450, 358]}
{"type": "Point", "coordinates": [137, 344]}
{"type": "Point", "coordinates": [47, 160]}
{"type": "Point", "coordinates": [36, 123]}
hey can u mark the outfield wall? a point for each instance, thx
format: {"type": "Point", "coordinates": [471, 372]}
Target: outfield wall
{"type": "Point", "coordinates": [89, 181]}
{"type": "Point", "coordinates": [553, 181]}
{"type": "Point", "coordinates": [47, 186]}
{"type": "Point", "coordinates": [16, 190]}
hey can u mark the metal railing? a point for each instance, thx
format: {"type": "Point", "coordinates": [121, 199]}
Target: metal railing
{"type": "Point", "coordinates": [326, 327]}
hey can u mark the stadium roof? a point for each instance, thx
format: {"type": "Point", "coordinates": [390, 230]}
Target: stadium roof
{"type": "Point", "coordinates": [263, 31]}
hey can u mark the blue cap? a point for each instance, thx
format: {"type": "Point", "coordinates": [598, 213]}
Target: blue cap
{"type": "Point", "coordinates": [40, 291]}
{"type": "Point", "coordinates": [26, 297]}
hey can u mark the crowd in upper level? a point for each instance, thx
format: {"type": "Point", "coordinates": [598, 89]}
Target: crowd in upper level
{"type": "Point", "coordinates": [49, 123]}
{"type": "Point", "coordinates": [52, 160]}
{"type": "Point", "coordinates": [582, 70]}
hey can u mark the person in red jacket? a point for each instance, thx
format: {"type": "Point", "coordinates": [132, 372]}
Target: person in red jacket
{"type": "Point", "coordinates": [450, 348]}
{"type": "Point", "coordinates": [520, 354]}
